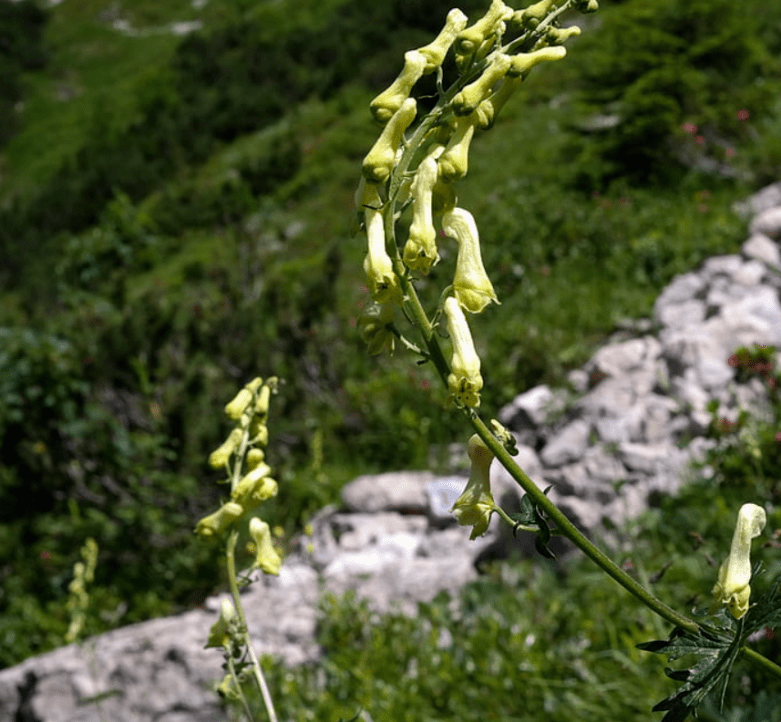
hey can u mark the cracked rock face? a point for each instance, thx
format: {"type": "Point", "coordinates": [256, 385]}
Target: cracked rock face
{"type": "Point", "coordinates": [604, 451]}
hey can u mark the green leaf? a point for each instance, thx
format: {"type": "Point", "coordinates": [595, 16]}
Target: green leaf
{"type": "Point", "coordinates": [716, 648]}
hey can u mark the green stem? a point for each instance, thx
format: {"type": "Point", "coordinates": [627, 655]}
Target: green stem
{"type": "Point", "coordinates": [762, 661]}
{"type": "Point", "coordinates": [234, 587]}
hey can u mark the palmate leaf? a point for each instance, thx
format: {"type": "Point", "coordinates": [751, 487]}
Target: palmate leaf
{"type": "Point", "coordinates": [716, 648]}
{"type": "Point", "coordinates": [766, 610]}
{"type": "Point", "coordinates": [531, 516]}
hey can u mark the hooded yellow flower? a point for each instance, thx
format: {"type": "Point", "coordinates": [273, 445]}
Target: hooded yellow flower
{"type": "Point", "coordinates": [732, 587]}
{"type": "Point", "coordinates": [476, 504]}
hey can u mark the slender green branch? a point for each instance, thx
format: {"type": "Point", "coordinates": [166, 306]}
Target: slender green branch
{"type": "Point", "coordinates": [762, 661]}
{"type": "Point", "coordinates": [234, 587]}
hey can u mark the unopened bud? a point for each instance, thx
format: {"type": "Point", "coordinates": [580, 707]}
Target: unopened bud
{"type": "Point", "coordinates": [378, 266]}
{"type": "Point", "coordinates": [454, 162]}
{"type": "Point", "coordinates": [220, 457]}
{"type": "Point", "coordinates": [473, 94]}
{"type": "Point", "coordinates": [378, 163]}
{"type": "Point", "coordinates": [235, 408]}
{"type": "Point", "coordinates": [488, 110]}
{"type": "Point", "coordinates": [216, 523]}
{"type": "Point", "coordinates": [436, 50]}
{"type": "Point", "coordinates": [389, 101]}
{"type": "Point", "coordinates": [533, 15]}
{"type": "Point", "coordinates": [470, 40]}
{"type": "Point", "coordinates": [266, 557]}
{"type": "Point", "coordinates": [420, 251]}
{"type": "Point", "coordinates": [524, 62]}
{"type": "Point", "coordinates": [464, 380]}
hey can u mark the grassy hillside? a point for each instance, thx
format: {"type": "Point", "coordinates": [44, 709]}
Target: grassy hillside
{"type": "Point", "coordinates": [176, 216]}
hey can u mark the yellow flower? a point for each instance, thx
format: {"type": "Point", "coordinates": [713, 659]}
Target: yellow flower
{"type": "Point", "coordinates": [436, 50]}
{"type": "Point", "coordinates": [378, 266]}
{"type": "Point", "coordinates": [255, 487]}
{"type": "Point", "coordinates": [420, 250]}
{"type": "Point", "coordinates": [471, 284]}
{"type": "Point", "coordinates": [489, 109]}
{"type": "Point", "coordinates": [464, 380]}
{"type": "Point", "coordinates": [732, 587]}
{"type": "Point", "coordinates": [215, 524]}
{"type": "Point", "coordinates": [476, 504]}
{"type": "Point", "coordinates": [266, 557]}
{"type": "Point", "coordinates": [225, 627]}
{"type": "Point", "coordinates": [475, 41]}
{"type": "Point", "coordinates": [454, 162]}
{"type": "Point", "coordinates": [378, 163]}
{"type": "Point", "coordinates": [522, 63]}
{"type": "Point", "coordinates": [221, 456]}
{"type": "Point", "coordinates": [476, 92]}
{"type": "Point", "coordinates": [389, 101]}
{"type": "Point", "coordinates": [236, 407]}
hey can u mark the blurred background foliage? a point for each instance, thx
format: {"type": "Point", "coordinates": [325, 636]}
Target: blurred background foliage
{"type": "Point", "coordinates": [176, 217]}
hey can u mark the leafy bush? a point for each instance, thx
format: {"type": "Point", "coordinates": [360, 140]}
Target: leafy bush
{"type": "Point", "coordinates": [675, 76]}
{"type": "Point", "coordinates": [21, 30]}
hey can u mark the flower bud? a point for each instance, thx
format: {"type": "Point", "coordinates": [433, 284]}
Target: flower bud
{"type": "Point", "coordinates": [464, 380]}
{"type": "Point", "coordinates": [378, 163]}
{"type": "Point", "coordinates": [533, 15]}
{"type": "Point", "coordinates": [215, 524]}
{"type": "Point", "coordinates": [476, 504]}
{"type": "Point", "coordinates": [559, 36]}
{"type": "Point", "coordinates": [378, 266]}
{"type": "Point", "coordinates": [454, 162]}
{"type": "Point", "coordinates": [261, 404]}
{"type": "Point", "coordinates": [225, 627]}
{"type": "Point", "coordinates": [732, 587]}
{"type": "Point", "coordinates": [389, 101]}
{"type": "Point", "coordinates": [235, 408]}
{"type": "Point", "coordinates": [255, 487]}
{"type": "Point", "coordinates": [488, 110]}
{"type": "Point", "coordinates": [221, 456]}
{"type": "Point", "coordinates": [473, 94]}
{"type": "Point", "coordinates": [471, 284]}
{"type": "Point", "coordinates": [254, 458]}
{"type": "Point", "coordinates": [258, 431]}
{"type": "Point", "coordinates": [374, 324]}
{"type": "Point", "coordinates": [470, 40]}
{"type": "Point", "coordinates": [523, 62]}
{"type": "Point", "coordinates": [420, 251]}
{"type": "Point", "coordinates": [435, 51]}
{"type": "Point", "coordinates": [266, 557]}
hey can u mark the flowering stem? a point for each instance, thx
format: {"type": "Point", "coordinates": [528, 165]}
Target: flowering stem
{"type": "Point", "coordinates": [234, 587]}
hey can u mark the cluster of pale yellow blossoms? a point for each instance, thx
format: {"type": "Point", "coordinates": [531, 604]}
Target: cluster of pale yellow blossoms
{"type": "Point", "coordinates": [244, 448]}
{"type": "Point", "coordinates": [489, 73]}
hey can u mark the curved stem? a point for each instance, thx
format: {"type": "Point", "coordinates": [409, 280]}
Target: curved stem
{"type": "Point", "coordinates": [762, 661]}
{"type": "Point", "coordinates": [234, 587]}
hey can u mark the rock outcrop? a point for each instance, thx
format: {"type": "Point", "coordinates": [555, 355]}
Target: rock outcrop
{"type": "Point", "coordinates": [635, 417]}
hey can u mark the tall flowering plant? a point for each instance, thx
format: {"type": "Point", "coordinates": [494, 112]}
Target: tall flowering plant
{"type": "Point", "coordinates": [412, 171]}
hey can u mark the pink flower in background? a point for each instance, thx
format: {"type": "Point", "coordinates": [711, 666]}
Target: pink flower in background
{"type": "Point", "coordinates": [689, 128]}
{"type": "Point", "coordinates": [700, 140]}
{"type": "Point", "coordinates": [743, 114]}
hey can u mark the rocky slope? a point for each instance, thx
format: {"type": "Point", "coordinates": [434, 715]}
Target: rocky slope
{"type": "Point", "coordinates": [605, 450]}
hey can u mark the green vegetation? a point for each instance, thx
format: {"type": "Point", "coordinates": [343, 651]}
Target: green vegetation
{"type": "Point", "coordinates": [182, 224]}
